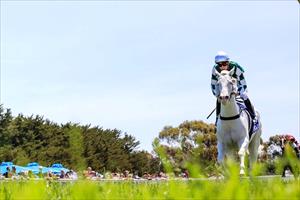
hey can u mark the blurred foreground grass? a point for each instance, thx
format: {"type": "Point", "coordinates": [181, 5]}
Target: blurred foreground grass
{"type": "Point", "coordinates": [231, 188]}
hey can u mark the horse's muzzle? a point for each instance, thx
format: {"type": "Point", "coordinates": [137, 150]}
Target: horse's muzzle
{"type": "Point", "coordinates": [224, 98]}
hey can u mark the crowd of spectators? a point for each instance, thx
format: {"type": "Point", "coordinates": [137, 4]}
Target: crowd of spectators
{"type": "Point", "coordinates": [126, 175]}
{"type": "Point", "coordinates": [88, 174]}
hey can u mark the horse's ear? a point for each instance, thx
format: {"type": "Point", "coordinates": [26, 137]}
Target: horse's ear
{"type": "Point", "coordinates": [234, 89]}
{"type": "Point", "coordinates": [231, 72]}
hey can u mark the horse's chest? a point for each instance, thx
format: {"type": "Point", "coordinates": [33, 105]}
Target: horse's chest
{"type": "Point", "coordinates": [229, 132]}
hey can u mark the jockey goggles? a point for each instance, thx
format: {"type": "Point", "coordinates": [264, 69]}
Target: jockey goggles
{"type": "Point", "coordinates": [222, 63]}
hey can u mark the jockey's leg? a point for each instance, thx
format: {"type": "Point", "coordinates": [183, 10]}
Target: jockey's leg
{"type": "Point", "coordinates": [250, 108]}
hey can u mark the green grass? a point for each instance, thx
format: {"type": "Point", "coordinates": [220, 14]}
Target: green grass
{"type": "Point", "coordinates": [231, 187]}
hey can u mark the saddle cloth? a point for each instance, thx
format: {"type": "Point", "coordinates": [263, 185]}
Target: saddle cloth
{"type": "Point", "coordinates": [254, 125]}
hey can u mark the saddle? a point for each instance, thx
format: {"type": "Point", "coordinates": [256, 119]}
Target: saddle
{"type": "Point", "coordinates": [253, 125]}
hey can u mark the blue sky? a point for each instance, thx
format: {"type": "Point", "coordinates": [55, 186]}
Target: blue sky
{"type": "Point", "coordinates": [139, 66]}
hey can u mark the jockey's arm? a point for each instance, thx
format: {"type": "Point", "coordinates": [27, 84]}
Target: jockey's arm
{"type": "Point", "coordinates": [242, 84]}
{"type": "Point", "coordinates": [214, 80]}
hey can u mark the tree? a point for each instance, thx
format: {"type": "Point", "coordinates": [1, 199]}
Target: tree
{"type": "Point", "coordinates": [76, 148]}
{"type": "Point", "coordinates": [190, 142]}
{"type": "Point", "coordinates": [5, 120]}
{"type": "Point", "coordinates": [107, 150]}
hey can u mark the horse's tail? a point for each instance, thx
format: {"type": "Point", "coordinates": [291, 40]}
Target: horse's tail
{"type": "Point", "coordinates": [255, 142]}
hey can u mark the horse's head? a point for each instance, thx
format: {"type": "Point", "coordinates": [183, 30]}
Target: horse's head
{"type": "Point", "coordinates": [227, 85]}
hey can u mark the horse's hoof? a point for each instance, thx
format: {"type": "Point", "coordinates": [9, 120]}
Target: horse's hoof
{"type": "Point", "coordinates": [220, 177]}
{"type": "Point", "coordinates": [242, 173]}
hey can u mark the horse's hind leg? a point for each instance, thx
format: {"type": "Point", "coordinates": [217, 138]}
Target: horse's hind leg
{"type": "Point", "coordinates": [253, 149]}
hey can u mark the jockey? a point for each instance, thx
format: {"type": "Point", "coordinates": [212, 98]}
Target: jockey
{"type": "Point", "coordinates": [222, 62]}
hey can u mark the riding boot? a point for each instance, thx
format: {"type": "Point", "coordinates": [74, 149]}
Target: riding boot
{"type": "Point", "coordinates": [218, 110]}
{"type": "Point", "coordinates": [250, 108]}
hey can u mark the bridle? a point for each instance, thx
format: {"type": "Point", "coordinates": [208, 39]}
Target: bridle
{"type": "Point", "coordinates": [233, 93]}
{"type": "Point", "coordinates": [232, 117]}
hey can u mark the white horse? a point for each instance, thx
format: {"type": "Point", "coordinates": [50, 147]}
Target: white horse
{"type": "Point", "coordinates": [233, 124]}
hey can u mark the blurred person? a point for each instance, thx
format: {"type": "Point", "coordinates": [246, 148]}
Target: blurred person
{"type": "Point", "coordinates": [50, 176]}
{"type": "Point", "coordinates": [14, 174]}
{"type": "Point", "coordinates": [289, 140]}
{"type": "Point", "coordinates": [31, 174]}
{"type": "Point", "coordinates": [73, 175]}
{"type": "Point", "coordinates": [8, 173]}
{"type": "Point", "coordinates": [62, 174]}
{"type": "Point", "coordinates": [40, 173]}
{"type": "Point", "coordinates": [13, 171]}
{"type": "Point", "coordinates": [89, 173]}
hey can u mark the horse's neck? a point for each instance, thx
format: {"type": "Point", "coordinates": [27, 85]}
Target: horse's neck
{"type": "Point", "coordinates": [230, 109]}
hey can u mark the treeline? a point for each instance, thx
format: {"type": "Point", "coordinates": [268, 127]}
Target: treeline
{"type": "Point", "coordinates": [35, 139]}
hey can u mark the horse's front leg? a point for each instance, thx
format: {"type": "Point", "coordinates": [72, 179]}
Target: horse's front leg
{"type": "Point", "coordinates": [221, 156]}
{"type": "Point", "coordinates": [243, 146]}
{"type": "Point", "coordinates": [220, 152]}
